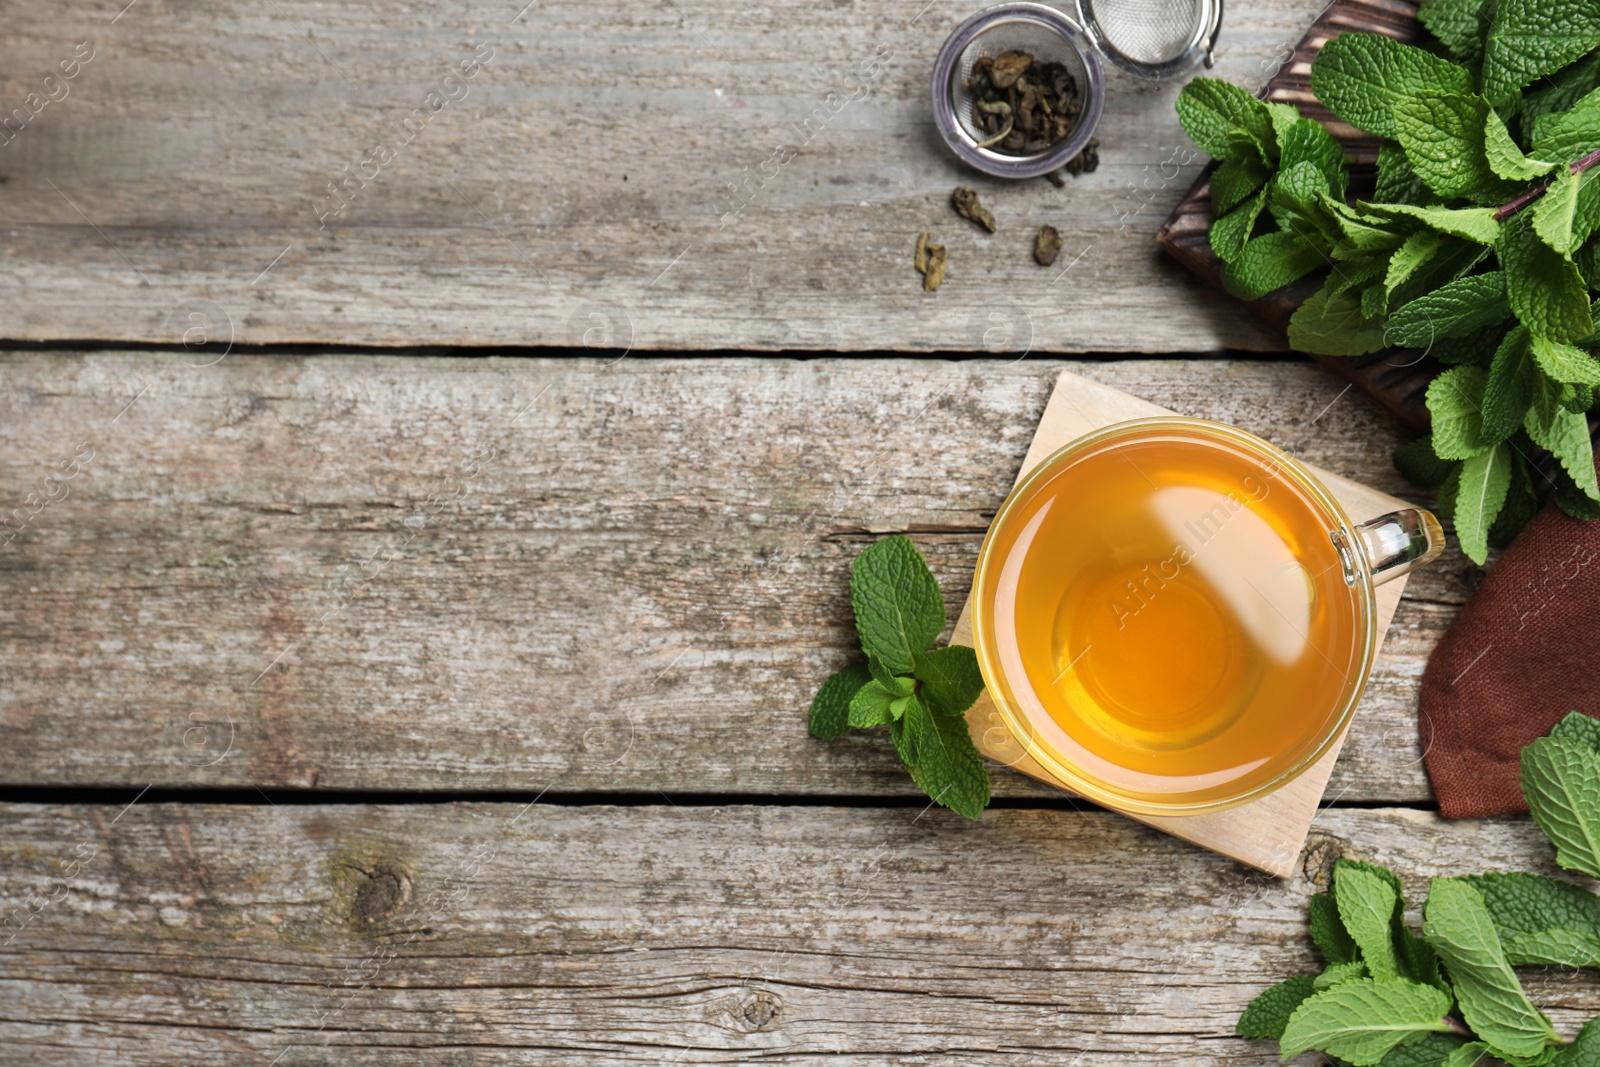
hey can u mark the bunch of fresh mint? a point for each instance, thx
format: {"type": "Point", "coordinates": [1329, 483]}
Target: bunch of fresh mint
{"type": "Point", "coordinates": [1450, 997]}
{"type": "Point", "coordinates": [921, 694]}
{"type": "Point", "coordinates": [1477, 244]}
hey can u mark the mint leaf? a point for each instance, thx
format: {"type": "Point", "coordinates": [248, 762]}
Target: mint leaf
{"type": "Point", "coordinates": [1295, 198]}
{"type": "Point", "coordinates": [1336, 973]}
{"type": "Point", "coordinates": [1269, 1012]}
{"type": "Point", "coordinates": [1270, 262]}
{"type": "Point", "coordinates": [1532, 38]}
{"type": "Point", "coordinates": [1230, 232]}
{"type": "Point", "coordinates": [1472, 1054]}
{"type": "Point", "coordinates": [1362, 77]}
{"type": "Point", "coordinates": [1561, 947]}
{"type": "Point", "coordinates": [948, 766]}
{"type": "Point", "coordinates": [1453, 260]}
{"type": "Point", "coordinates": [1455, 401]}
{"type": "Point", "coordinates": [1569, 210]}
{"type": "Point", "coordinates": [1363, 254]}
{"type": "Point", "coordinates": [1308, 141]}
{"type": "Point", "coordinates": [1554, 213]}
{"type": "Point", "coordinates": [1485, 479]}
{"type": "Point", "coordinates": [1360, 232]}
{"type": "Point", "coordinates": [1573, 500]}
{"type": "Point", "coordinates": [1586, 212]}
{"type": "Point", "coordinates": [1568, 135]}
{"type": "Point", "coordinates": [907, 734]}
{"type": "Point", "coordinates": [1543, 287]}
{"type": "Point", "coordinates": [1445, 501]}
{"type": "Point", "coordinates": [1522, 501]}
{"type": "Point", "coordinates": [1283, 116]}
{"type": "Point", "coordinates": [1443, 135]}
{"type": "Point", "coordinates": [1509, 390]}
{"type": "Point", "coordinates": [1361, 1020]}
{"type": "Point", "coordinates": [1435, 1050]}
{"type": "Point", "coordinates": [1397, 182]}
{"type": "Point", "coordinates": [1414, 959]}
{"type": "Point", "coordinates": [1332, 939]}
{"type": "Point", "coordinates": [1583, 1052]}
{"type": "Point", "coordinates": [1563, 433]}
{"type": "Point", "coordinates": [899, 608]}
{"type": "Point", "coordinates": [1492, 1003]}
{"type": "Point", "coordinates": [951, 680]}
{"type": "Point", "coordinates": [1587, 260]}
{"type": "Point", "coordinates": [1235, 181]}
{"type": "Point", "coordinates": [1453, 310]}
{"type": "Point", "coordinates": [1332, 324]}
{"type": "Point", "coordinates": [1367, 901]}
{"type": "Point", "coordinates": [1475, 349]}
{"type": "Point", "coordinates": [1415, 460]}
{"type": "Point", "coordinates": [881, 674]}
{"type": "Point", "coordinates": [1541, 920]}
{"type": "Point", "coordinates": [1472, 223]}
{"type": "Point", "coordinates": [1407, 260]}
{"type": "Point", "coordinates": [1458, 24]}
{"type": "Point", "coordinates": [1505, 159]}
{"type": "Point", "coordinates": [830, 708]}
{"type": "Point", "coordinates": [1576, 726]}
{"type": "Point", "coordinates": [1561, 783]}
{"type": "Point", "coordinates": [1417, 959]}
{"type": "Point", "coordinates": [1373, 300]}
{"type": "Point", "coordinates": [1354, 273]}
{"type": "Point", "coordinates": [1565, 363]}
{"type": "Point", "coordinates": [1210, 109]}
{"type": "Point", "coordinates": [1560, 90]}
{"type": "Point", "coordinates": [871, 706]}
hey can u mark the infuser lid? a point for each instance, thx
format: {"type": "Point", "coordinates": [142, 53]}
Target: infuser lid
{"type": "Point", "coordinates": [1153, 39]}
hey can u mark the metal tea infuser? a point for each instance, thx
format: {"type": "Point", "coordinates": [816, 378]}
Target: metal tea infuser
{"type": "Point", "coordinates": [1149, 39]}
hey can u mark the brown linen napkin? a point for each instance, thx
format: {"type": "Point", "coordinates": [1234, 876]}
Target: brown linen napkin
{"type": "Point", "coordinates": [1522, 653]}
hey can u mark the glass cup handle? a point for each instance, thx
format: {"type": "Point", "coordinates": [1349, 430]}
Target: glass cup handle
{"type": "Point", "coordinates": [1400, 542]}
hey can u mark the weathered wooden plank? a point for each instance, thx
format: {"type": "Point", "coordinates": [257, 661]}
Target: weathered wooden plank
{"type": "Point", "coordinates": [353, 935]}
{"type": "Point", "coordinates": [360, 572]}
{"type": "Point", "coordinates": [627, 158]}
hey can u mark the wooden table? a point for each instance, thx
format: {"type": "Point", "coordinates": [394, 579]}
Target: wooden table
{"type": "Point", "coordinates": [447, 705]}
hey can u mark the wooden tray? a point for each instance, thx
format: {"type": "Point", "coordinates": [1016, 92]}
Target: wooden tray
{"type": "Point", "coordinates": [1397, 379]}
{"type": "Point", "coordinates": [1266, 833]}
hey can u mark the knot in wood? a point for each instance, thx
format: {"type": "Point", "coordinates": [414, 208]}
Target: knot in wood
{"type": "Point", "coordinates": [1322, 851]}
{"type": "Point", "coordinates": [381, 890]}
{"type": "Point", "coordinates": [753, 1010]}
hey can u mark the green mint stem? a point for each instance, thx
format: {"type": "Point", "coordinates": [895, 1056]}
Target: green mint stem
{"type": "Point", "coordinates": [1510, 208]}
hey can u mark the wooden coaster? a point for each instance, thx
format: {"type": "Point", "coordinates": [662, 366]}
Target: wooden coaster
{"type": "Point", "coordinates": [1266, 833]}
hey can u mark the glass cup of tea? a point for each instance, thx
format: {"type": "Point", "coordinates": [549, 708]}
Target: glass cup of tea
{"type": "Point", "coordinates": [1174, 617]}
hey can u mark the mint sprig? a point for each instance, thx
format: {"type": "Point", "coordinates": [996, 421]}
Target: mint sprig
{"type": "Point", "coordinates": [920, 694]}
{"type": "Point", "coordinates": [1480, 243]}
{"type": "Point", "coordinates": [1451, 997]}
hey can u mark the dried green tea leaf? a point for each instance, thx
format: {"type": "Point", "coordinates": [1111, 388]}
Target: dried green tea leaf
{"type": "Point", "coordinates": [1008, 67]}
{"type": "Point", "coordinates": [967, 205]}
{"type": "Point", "coordinates": [1046, 246]}
{"type": "Point", "coordinates": [933, 277]}
{"type": "Point", "coordinates": [929, 262]}
{"type": "Point", "coordinates": [1085, 162]}
{"type": "Point", "coordinates": [1022, 106]}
